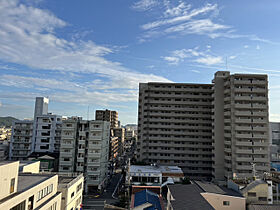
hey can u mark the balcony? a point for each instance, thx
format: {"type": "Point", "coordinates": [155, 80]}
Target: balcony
{"type": "Point", "coordinates": [65, 154]}
{"type": "Point", "coordinates": [94, 155]}
{"type": "Point", "coordinates": [80, 168]}
{"type": "Point", "coordinates": [65, 163]}
{"type": "Point", "coordinates": [243, 143]}
{"type": "Point", "coordinates": [244, 151]}
{"type": "Point", "coordinates": [93, 163]}
{"type": "Point", "coordinates": [244, 167]}
{"type": "Point", "coordinates": [244, 159]}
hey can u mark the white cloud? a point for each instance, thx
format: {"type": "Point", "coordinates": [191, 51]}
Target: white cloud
{"type": "Point", "coordinates": [195, 71]}
{"type": "Point", "coordinates": [246, 46]}
{"type": "Point", "coordinates": [210, 60]}
{"type": "Point", "coordinates": [274, 117]}
{"type": "Point", "coordinates": [28, 37]}
{"type": "Point", "coordinates": [144, 5]}
{"type": "Point", "coordinates": [258, 47]}
{"type": "Point", "coordinates": [232, 57]}
{"type": "Point", "coordinates": [194, 55]}
{"type": "Point", "coordinates": [172, 60]}
{"type": "Point", "coordinates": [185, 17]}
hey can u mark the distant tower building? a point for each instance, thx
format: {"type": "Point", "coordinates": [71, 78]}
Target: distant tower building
{"type": "Point", "coordinates": [107, 115]}
{"type": "Point", "coordinates": [41, 106]}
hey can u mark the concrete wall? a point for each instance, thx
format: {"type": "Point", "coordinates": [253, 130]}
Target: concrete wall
{"type": "Point", "coordinates": [34, 192]}
{"type": "Point", "coordinates": [7, 172]}
{"type": "Point", "coordinates": [261, 190]}
{"type": "Point", "coordinates": [31, 167]}
{"type": "Point", "coordinates": [216, 200]}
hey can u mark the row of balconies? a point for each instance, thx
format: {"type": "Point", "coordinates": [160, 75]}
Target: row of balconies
{"type": "Point", "coordinates": [249, 113]}
{"type": "Point", "coordinates": [179, 102]}
{"type": "Point", "coordinates": [200, 115]}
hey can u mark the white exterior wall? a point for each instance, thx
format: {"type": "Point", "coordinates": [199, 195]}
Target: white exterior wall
{"type": "Point", "coordinates": [46, 134]}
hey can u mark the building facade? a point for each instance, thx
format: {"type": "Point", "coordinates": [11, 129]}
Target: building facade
{"type": "Point", "coordinates": [274, 142]}
{"type": "Point", "coordinates": [42, 135]}
{"type": "Point", "coordinates": [84, 149]}
{"type": "Point", "coordinates": [174, 126]}
{"type": "Point", "coordinates": [209, 130]}
{"type": "Point", "coordinates": [241, 127]}
{"type": "Point", "coordinates": [109, 116]}
{"type": "Point", "coordinates": [47, 133]}
{"type": "Point", "coordinates": [27, 191]}
{"type": "Point", "coordinates": [21, 145]}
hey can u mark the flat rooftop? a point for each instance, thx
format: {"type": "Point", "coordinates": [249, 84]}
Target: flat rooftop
{"type": "Point", "coordinates": [155, 169]}
{"type": "Point", "coordinates": [26, 182]}
{"type": "Point", "coordinates": [66, 181]}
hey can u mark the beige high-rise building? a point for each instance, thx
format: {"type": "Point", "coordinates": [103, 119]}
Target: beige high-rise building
{"type": "Point", "coordinates": [240, 126]}
{"type": "Point", "coordinates": [84, 149]}
{"type": "Point", "coordinates": [174, 126]}
{"type": "Point", "coordinates": [186, 124]}
{"type": "Point", "coordinates": [109, 116]}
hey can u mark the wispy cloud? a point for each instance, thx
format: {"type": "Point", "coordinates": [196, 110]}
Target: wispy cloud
{"type": "Point", "coordinates": [144, 5]}
{"type": "Point", "coordinates": [29, 38]}
{"type": "Point", "coordinates": [193, 55]}
{"type": "Point", "coordinates": [183, 19]}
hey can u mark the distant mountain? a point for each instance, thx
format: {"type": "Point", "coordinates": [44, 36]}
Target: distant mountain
{"type": "Point", "coordinates": [7, 121]}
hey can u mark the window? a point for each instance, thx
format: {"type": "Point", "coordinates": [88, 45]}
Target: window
{"type": "Point", "coordinates": [262, 198]}
{"type": "Point", "coordinates": [20, 206]}
{"type": "Point", "coordinates": [79, 187]}
{"type": "Point", "coordinates": [72, 194]}
{"type": "Point", "coordinates": [12, 186]}
{"type": "Point", "coordinates": [252, 194]}
{"type": "Point", "coordinates": [226, 203]}
{"type": "Point", "coordinates": [44, 192]}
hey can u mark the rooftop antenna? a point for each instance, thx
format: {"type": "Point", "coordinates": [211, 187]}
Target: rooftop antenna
{"type": "Point", "coordinates": [88, 113]}
{"type": "Point", "coordinates": [226, 64]}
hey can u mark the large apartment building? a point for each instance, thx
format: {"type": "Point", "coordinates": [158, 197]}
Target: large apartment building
{"type": "Point", "coordinates": [209, 130]}
{"type": "Point", "coordinates": [174, 126]}
{"type": "Point", "coordinates": [21, 142]}
{"type": "Point", "coordinates": [109, 116]}
{"type": "Point", "coordinates": [84, 149]}
{"type": "Point", "coordinates": [240, 126]}
{"type": "Point", "coordinates": [275, 143]}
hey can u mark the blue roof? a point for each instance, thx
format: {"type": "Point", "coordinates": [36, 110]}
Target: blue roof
{"type": "Point", "coordinates": [146, 196]}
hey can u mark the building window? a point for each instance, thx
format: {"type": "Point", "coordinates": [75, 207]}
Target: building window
{"type": "Point", "coordinates": [12, 186]}
{"type": "Point", "coordinates": [252, 194]}
{"type": "Point", "coordinates": [262, 198]}
{"type": "Point", "coordinates": [226, 203]}
{"type": "Point", "coordinates": [20, 206]}
{"type": "Point", "coordinates": [79, 187]}
{"type": "Point", "coordinates": [44, 192]}
{"type": "Point", "coordinates": [72, 195]}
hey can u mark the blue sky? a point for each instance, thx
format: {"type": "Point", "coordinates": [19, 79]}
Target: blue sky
{"type": "Point", "coordinates": [94, 53]}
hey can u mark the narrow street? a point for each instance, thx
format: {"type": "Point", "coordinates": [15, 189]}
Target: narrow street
{"type": "Point", "coordinates": [96, 202]}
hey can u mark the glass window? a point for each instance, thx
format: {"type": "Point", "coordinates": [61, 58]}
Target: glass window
{"type": "Point", "coordinates": [226, 203]}
{"type": "Point", "coordinates": [12, 186]}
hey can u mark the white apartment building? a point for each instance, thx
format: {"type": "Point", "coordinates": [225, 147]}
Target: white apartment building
{"type": "Point", "coordinates": [174, 126]}
{"type": "Point", "coordinates": [27, 191]}
{"type": "Point", "coordinates": [41, 135]}
{"type": "Point", "coordinates": [209, 130]}
{"type": "Point", "coordinates": [47, 133]}
{"type": "Point", "coordinates": [84, 149]}
{"type": "Point", "coordinates": [21, 145]}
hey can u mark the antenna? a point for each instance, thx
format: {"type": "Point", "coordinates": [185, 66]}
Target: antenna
{"type": "Point", "coordinates": [226, 64]}
{"type": "Point", "coordinates": [88, 113]}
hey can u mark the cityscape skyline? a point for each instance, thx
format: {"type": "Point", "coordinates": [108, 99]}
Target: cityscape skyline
{"type": "Point", "coordinates": [98, 56]}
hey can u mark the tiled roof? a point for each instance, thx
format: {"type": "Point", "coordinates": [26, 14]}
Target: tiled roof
{"type": "Point", "coordinates": [146, 196]}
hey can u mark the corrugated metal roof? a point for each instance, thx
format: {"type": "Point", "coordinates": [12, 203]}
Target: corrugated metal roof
{"type": "Point", "coordinates": [146, 196]}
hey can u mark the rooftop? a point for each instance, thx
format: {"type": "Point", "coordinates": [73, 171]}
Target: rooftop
{"type": "Point", "coordinates": [67, 181]}
{"type": "Point", "coordinates": [155, 169]}
{"type": "Point", "coordinates": [146, 196]}
{"type": "Point", "coordinates": [26, 182]}
{"type": "Point", "coordinates": [212, 188]}
{"type": "Point", "coordinates": [188, 197]}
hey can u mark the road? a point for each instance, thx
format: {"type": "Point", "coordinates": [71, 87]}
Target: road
{"type": "Point", "coordinates": [97, 201]}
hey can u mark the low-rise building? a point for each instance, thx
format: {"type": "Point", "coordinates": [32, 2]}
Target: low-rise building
{"type": "Point", "coordinates": [203, 195]}
{"type": "Point", "coordinates": [259, 191]}
{"type": "Point", "coordinates": [153, 175]}
{"type": "Point", "coordinates": [5, 133]}
{"type": "Point", "coordinates": [146, 199]}
{"type": "Point", "coordinates": [27, 191]}
{"type": "Point", "coordinates": [71, 188]}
